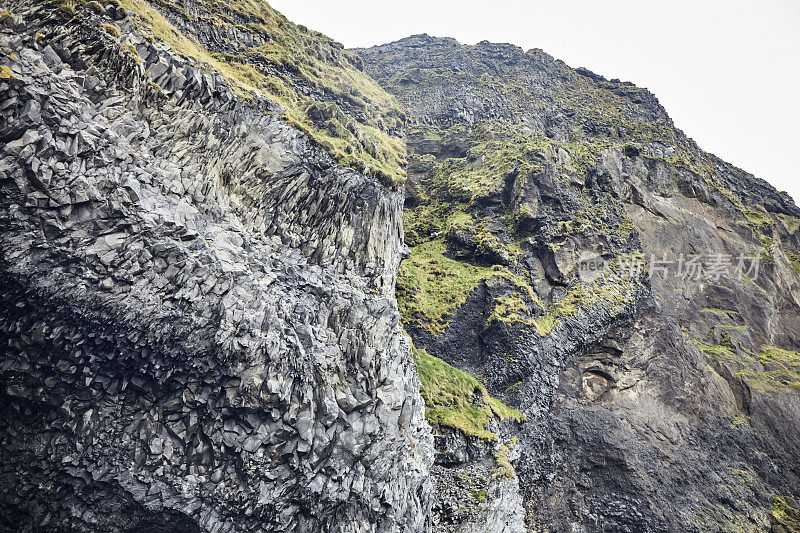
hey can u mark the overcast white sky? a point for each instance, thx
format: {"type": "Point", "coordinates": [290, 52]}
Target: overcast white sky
{"type": "Point", "coordinates": [727, 71]}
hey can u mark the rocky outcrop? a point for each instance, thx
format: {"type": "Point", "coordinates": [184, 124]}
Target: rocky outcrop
{"type": "Point", "coordinates": [199, 329]}
{"type": "Point", "coordinates": [477, 489]}
{"type": "Point", "coordinates": [202, 219]}
{"type": "Point", "coordinates": [549, 211]}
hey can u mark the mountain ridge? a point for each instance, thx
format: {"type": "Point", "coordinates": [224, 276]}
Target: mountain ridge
{"type": "Point", "coordinates": [580, 70]}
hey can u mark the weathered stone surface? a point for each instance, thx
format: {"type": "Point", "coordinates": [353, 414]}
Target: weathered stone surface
{"type": "Point", "coordinates": [198, 324]}
{"type": "Point", "coordinates": [650, 401]}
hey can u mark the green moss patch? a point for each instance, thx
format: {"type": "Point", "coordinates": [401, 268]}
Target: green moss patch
{"type": "Point", "coordinates": [613, 291]}
{"type": "Point", "coordinates": [504, 468]}
{"type": "Point", "coordinates": [781, 371]}
{"type": "Point", "coordinates": [785, 514]}
{"type": "Point", "coordinates": [457, 399]}
{"type": "Point", "coordinates": [431, 286]}
{"type": "Point", "coordinates": [794, 260]}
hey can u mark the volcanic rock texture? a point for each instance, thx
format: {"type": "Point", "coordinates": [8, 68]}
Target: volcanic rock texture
{"type": "Point", "coordinates": [251, 282]}
{"type": "Point", "coordinates": [660, 401]}
{"type": "Point", "coordinates": [198, 326]}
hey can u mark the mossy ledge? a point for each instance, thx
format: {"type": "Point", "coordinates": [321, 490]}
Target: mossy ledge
{"type": "Point", "coordinates": [457, 399]}
{"type": "Point", "coordinates": [319, 84]}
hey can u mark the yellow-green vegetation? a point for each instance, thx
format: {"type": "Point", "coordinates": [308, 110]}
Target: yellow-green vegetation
{"type": "Point", "coordinates": [479, 495]}
{"type": "Point", "coordinates": [592, 218]}
{"type": "Point", "coordinates": [492, 155]}
{"type": "Point", "coordinates": [457, 399]}
{"type": "Point", "coordinates": [741, 476]}
{"type": "Point", "coordinates": [769, 371]}
{"type": "Point", "coordinates": [510, 308]}
{"type": "Point", "coordinates": [722, 313]}
{"type": "Point", "coordinates": [794, 260]}
{"type": "Point", "coordinates": [487, 244]}
{"type": "Point", "coordinates": [782, 371]}
{"type": "Point", "coordinates": [613, 291]}
{"type": "Point", "coordinates": [759, 219]}
{"type": "Point", "coordinates": [420, 222]}
{"type": "Point", "coordinates": [95, 6]}
{"type": "Point", "coordinates": [743, 422]}
{"type": "Point", "coordinates": [130, 51]}
{"type": "Point", "coordinates": [734, 481]}
{"type": "Point", "coordinates": [504, 468]}
{"type": "Point", "coordinates": [111, 29]}
{"type": "Point", "coordinates": [785, 513]}
{"type": "Point", "coordinates": [545, 324]}
{"type": "Point", "coordinates": [495, 150]}
{"type": "Point", "coordinates": [315, 80]}
{"type": "Point", "coordinates": [431, 286]}
{"type": "Point", "coordinates": [67, 7]}
{"type": "Point", "coordinates": [6, 73]}
{"type": "Point", "coordinates": [791, 224]}
{"type": "Point", "coordinates": [434, 218]}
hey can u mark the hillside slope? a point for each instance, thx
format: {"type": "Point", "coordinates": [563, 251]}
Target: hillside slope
{"type": "Point", "coordinates": [553, 217]}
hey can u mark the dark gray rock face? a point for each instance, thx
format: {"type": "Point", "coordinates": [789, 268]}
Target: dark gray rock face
{"type": "Point", "coordinates": [661, 402]}
{"type": "Point", "coordinates": [198, 325]}
{"type": "Point", "coordinates": [474, 491]}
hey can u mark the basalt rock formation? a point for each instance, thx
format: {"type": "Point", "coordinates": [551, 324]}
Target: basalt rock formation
{"type": "Point", "coordinates": [252, 281]}
{"type": "Point", "coordinates": [198, 324]}
{"type": "Point", "coordinates": [551, 215]}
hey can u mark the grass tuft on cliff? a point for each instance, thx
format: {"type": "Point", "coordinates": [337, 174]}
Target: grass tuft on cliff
{"type": "Point", "coordinates": [457, 399]}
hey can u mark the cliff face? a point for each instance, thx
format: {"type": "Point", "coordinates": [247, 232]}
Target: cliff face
{"type": "Point", "coordinates": [198, 323]}
{"type": "Point", "coordinates": [551, 215]}
{"type": "Point", "coordinates": [203, 212]}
